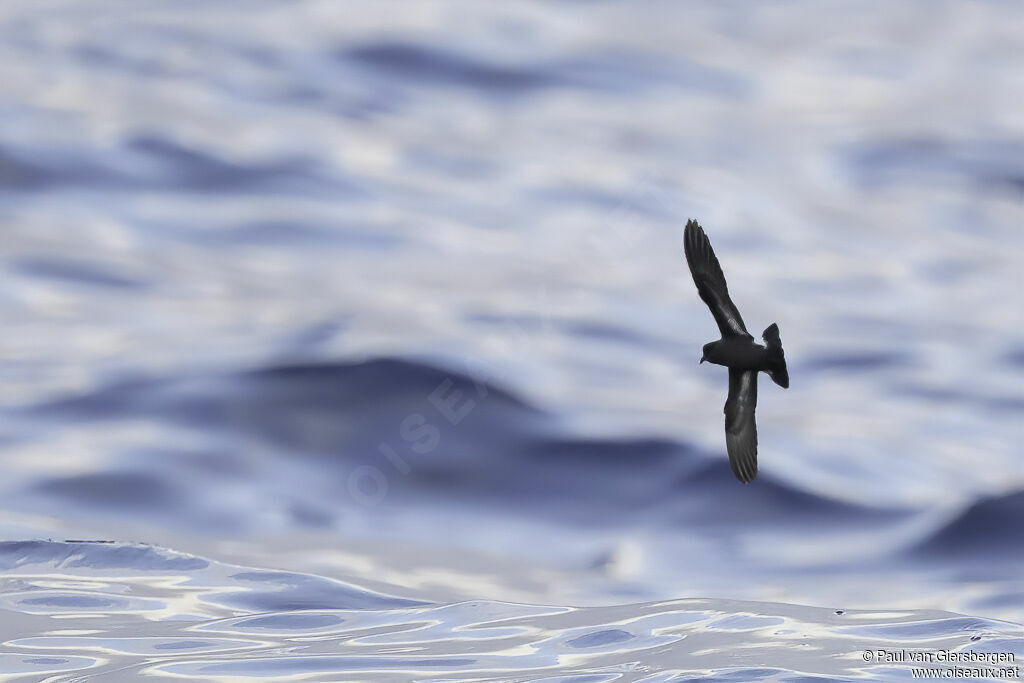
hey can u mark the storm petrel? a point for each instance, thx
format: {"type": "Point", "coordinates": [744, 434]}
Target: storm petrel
{"type": "Point", "coordinates": [736, 350]}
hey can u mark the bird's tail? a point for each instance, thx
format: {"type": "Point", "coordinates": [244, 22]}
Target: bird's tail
{"type": "Point", "coordinates": [776, 357]}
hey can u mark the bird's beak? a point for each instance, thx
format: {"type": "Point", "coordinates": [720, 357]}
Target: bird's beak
{"type": "Point", "coordinates": [702, 359]}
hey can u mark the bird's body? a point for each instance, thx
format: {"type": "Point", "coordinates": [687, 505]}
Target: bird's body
{"type": "Point", "coordinates": [736, 350]}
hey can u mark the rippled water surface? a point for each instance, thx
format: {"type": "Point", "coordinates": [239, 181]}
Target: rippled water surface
{"type": "Point", "coordinates": [354, 341]}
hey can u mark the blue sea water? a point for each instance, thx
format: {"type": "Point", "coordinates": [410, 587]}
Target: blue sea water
{"type": "Point", "coordinates": [354, 341]}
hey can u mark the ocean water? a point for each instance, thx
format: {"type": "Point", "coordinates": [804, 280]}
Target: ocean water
{"type": "Point", "coordinates": [354, 341]}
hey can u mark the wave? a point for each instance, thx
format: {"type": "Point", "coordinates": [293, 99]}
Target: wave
{"type": "Point", "coordinates": [156, 162]}
{"type": "Point", "coordinates": [132, 610]}
{"type": "Point", "coordinates": [617, 71]}
{"type": "Point", "coordinates": [445, 435]}
{"type": "Point", "coordinates": [992, 527]}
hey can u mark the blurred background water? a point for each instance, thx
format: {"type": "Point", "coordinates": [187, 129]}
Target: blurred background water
{"type": "Point", "coordinates": [364, 330]}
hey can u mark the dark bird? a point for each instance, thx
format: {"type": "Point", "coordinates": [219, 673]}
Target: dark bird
{"type": "Point", "coordinates": [736, 350]}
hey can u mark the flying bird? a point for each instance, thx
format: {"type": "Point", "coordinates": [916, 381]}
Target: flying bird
{"type": "Point", "coordinates": [736, 350]}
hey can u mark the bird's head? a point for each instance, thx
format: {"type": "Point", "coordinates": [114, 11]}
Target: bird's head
{"type": "Point", "coordinates": [708, 352]}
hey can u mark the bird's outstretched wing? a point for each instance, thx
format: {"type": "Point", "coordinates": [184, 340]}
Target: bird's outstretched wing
{"type": "Point", "coordinates": [740, 428]}
{"type": "Point", "coordinates": [710, 281]}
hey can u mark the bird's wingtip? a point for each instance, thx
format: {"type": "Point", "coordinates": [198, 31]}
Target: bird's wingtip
{"type": "Point", "coordinates": [744, 472]}
{"type": "Point", "coordinates": [692, 235]}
